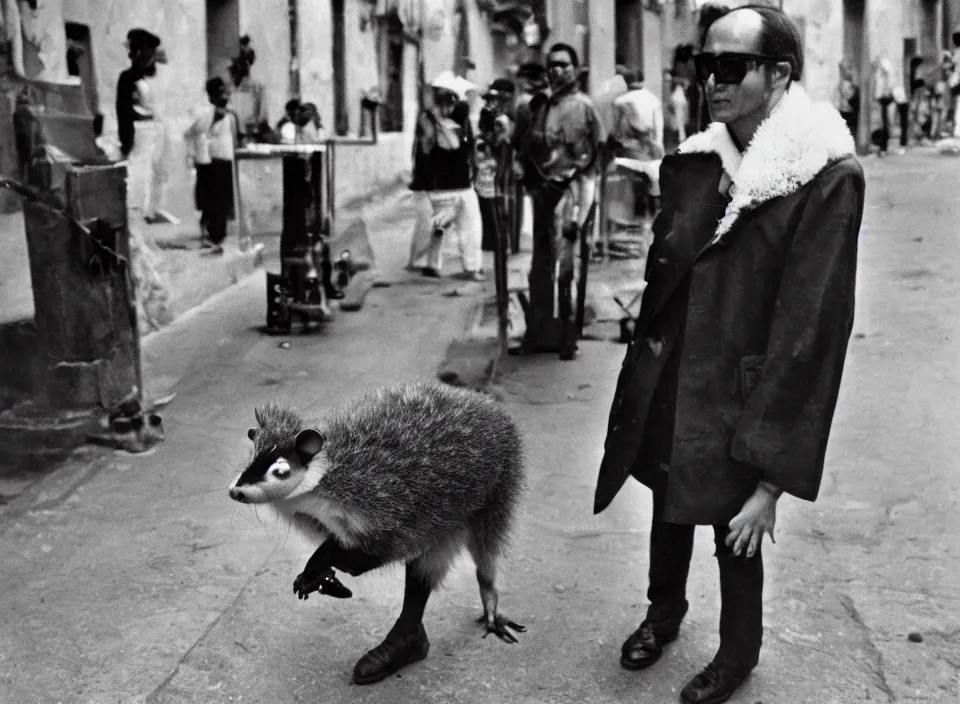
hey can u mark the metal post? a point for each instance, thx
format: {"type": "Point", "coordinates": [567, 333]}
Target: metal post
{"type": "Point", "coordinates": [294, 49]}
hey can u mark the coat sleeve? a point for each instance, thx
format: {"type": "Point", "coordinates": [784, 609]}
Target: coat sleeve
{"type": "Point", "coordinates": [787, 417]}
{"type": "Point", "coordinates": [664, 219]}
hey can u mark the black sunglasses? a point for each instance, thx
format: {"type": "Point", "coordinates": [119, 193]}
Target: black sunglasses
{"type": "Point", "coordinates": [729, 69]}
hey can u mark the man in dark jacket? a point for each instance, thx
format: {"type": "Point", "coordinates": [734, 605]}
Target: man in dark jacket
{"type": "Point", "coordinates": [559, 152]}
{"type": "Point", "coordinates": [727, 392]}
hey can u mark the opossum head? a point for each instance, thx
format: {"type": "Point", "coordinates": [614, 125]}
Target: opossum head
{"type": "Point", "coordinates": [287, 458]}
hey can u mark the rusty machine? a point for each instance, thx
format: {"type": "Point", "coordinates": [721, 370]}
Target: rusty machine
{"type": "Point", "coordinates": [315, 268]}
{"type": "Point", "coordinates": [75, 367]}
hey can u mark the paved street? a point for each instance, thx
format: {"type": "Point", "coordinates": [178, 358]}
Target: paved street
{"type": "Point", "coordinates": [136, 579]}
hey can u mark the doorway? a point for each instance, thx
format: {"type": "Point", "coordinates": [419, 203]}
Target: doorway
{"type": "Point", "coordinates": [392, 44]}
{"type": "Point", "coordinates": [223, 35]}
{"type": "Point", "coordinates": [80, 63]}
{"type": "Point", "coordinates": [856, 55]}
{"type": "Point", "coordinates": [629, 33]}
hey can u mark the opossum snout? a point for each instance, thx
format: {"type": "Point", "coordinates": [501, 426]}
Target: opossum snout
{"type": "Point", "coordinates": [237, 495]}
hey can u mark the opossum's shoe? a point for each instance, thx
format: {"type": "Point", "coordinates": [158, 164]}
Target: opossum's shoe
{"type": "Point", "coordinates": [502, 627]}
{"type": "Point", "coordinates": [394, 653]}
{"type": "Point", "coordinates": [324, 583]}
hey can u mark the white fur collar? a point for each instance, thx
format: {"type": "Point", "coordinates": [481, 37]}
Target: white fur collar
{"type": "Point", "coordinates": [796, 141]}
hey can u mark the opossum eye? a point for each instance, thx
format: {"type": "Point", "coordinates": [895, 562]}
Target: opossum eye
{"type": "Point", "coordinates": [280, 469]}
{"type": "Point", "coordinates": [252, 434]}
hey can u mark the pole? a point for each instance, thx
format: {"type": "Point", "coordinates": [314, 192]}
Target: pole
{"type": "Point", "coordinates": [294, 49]}
{"type": "Point", "coordinates": [421, 64]}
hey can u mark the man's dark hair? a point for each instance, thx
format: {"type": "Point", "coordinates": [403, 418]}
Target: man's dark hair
{"type": "Point", "coordinates": [638, 76]}
{"type": "Point", "coordinates": [504, 85]}
{"type": "Point", "coordinates": [560, 46]}
{"type": "Point", "coordinates": [531, 69]}
{"type": "Point", "coordinates": [779, 36]}
{"type": "Point", "coordinates": [292, 105]}
{"type": "Point", "coordinates": [215, 85]}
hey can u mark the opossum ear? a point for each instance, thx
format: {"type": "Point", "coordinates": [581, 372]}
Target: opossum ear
{"type": "Point", "coordinates": [309, 442]}
{"type": "Point", "coordinates": [252, 434]}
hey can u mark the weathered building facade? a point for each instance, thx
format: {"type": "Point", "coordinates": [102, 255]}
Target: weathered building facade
{"type": "Point", "coordinates": [328, 52]}
{"type": "Point", "coordinates": [860, 32]}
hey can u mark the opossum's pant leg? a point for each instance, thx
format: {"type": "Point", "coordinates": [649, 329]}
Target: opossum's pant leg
{"type": "Point", "coordinates": [486, 560]}
{"type": "Point", "coordinates": [417, 589]}
{"type": "Point", "coordinates": [406, 643]}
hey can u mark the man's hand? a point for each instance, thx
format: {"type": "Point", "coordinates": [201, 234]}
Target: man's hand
{"type": "Point", "coordinates": [758, 516]}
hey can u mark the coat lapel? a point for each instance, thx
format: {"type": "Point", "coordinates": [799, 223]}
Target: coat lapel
{"type": "Point", "coordinates": [794, 144]}
{"type": "Point", "coordinates": [698, 207]}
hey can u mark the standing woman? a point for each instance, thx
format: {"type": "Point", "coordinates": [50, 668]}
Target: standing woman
{"type": "Point", "coordinates": [443, 169]}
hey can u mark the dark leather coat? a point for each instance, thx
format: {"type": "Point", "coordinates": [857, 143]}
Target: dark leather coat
{"type": "Point", "coordinates": [735, 367]}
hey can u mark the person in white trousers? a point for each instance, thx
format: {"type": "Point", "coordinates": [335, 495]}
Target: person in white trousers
{"type": "Point", "coordinates": [443, 171]}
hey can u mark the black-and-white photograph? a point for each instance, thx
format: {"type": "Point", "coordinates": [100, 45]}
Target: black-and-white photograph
{"type": "Point", "coordinates": [474, 351]}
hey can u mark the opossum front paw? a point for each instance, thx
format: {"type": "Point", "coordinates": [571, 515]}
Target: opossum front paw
{"type": "Point", "coordinates": [324, 583]}
{"type": "Point", "coordinates": [502, 627]}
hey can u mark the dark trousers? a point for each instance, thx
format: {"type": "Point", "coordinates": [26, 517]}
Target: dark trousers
{"type": "Point", "coordinates": [543, 329]}
{"type": "Point", "coordinates": [741, 589]}
{"type": "Point", "coordinates": [214, 197]}
{"type": "Point", "coordinates": [884, 140]}
{"type": "Point", "coordinates": [516, 224]}
{"type": "Point", "coordinates": [853, 121]}
{"type": "Point", "coordinates": [488, 214]}
{"type": "Point", "coordinates": [903, 113]}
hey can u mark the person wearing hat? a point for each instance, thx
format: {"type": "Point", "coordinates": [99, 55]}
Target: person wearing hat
{"type": "Point", "coordinates": [443, 169]}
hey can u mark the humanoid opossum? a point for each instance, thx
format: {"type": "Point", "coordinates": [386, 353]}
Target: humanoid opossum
{"type": "Point", "coordinates": [411, 473]}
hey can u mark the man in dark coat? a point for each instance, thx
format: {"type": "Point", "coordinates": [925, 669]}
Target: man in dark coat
{"type": "Point", "coordinates": [727, 392]}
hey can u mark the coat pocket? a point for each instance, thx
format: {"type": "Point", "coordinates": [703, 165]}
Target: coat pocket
{"type": "Point", "coordinates": [751, 368]}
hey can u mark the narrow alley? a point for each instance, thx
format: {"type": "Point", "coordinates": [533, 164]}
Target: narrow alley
{"type": "Point", "coordinates": [136, 579]}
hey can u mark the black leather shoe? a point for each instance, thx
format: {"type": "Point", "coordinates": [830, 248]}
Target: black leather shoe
{"type": "Point", "coordinates": [715, 684]}
{"type": "Point", "coordinates": [396, 652]}
{"type": "Point", "coordinates": [645, 646]}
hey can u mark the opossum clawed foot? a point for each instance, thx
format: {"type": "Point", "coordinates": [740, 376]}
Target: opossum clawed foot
{"type": "Point", "coordinates": [501, 626]}
{"type": "Point", "coordinates": [324, 583]}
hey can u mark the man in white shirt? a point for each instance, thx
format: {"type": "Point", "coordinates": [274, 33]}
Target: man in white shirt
{"type": "Point", "coordinates": [638, 124]}
{"type": "Point", "coordinates": [211, 143]}
{"type": "Point", "coordinates": [638, 136]}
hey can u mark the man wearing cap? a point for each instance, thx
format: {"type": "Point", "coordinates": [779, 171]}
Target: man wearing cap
{"type": "Point", "coordinates": [559, 154]}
